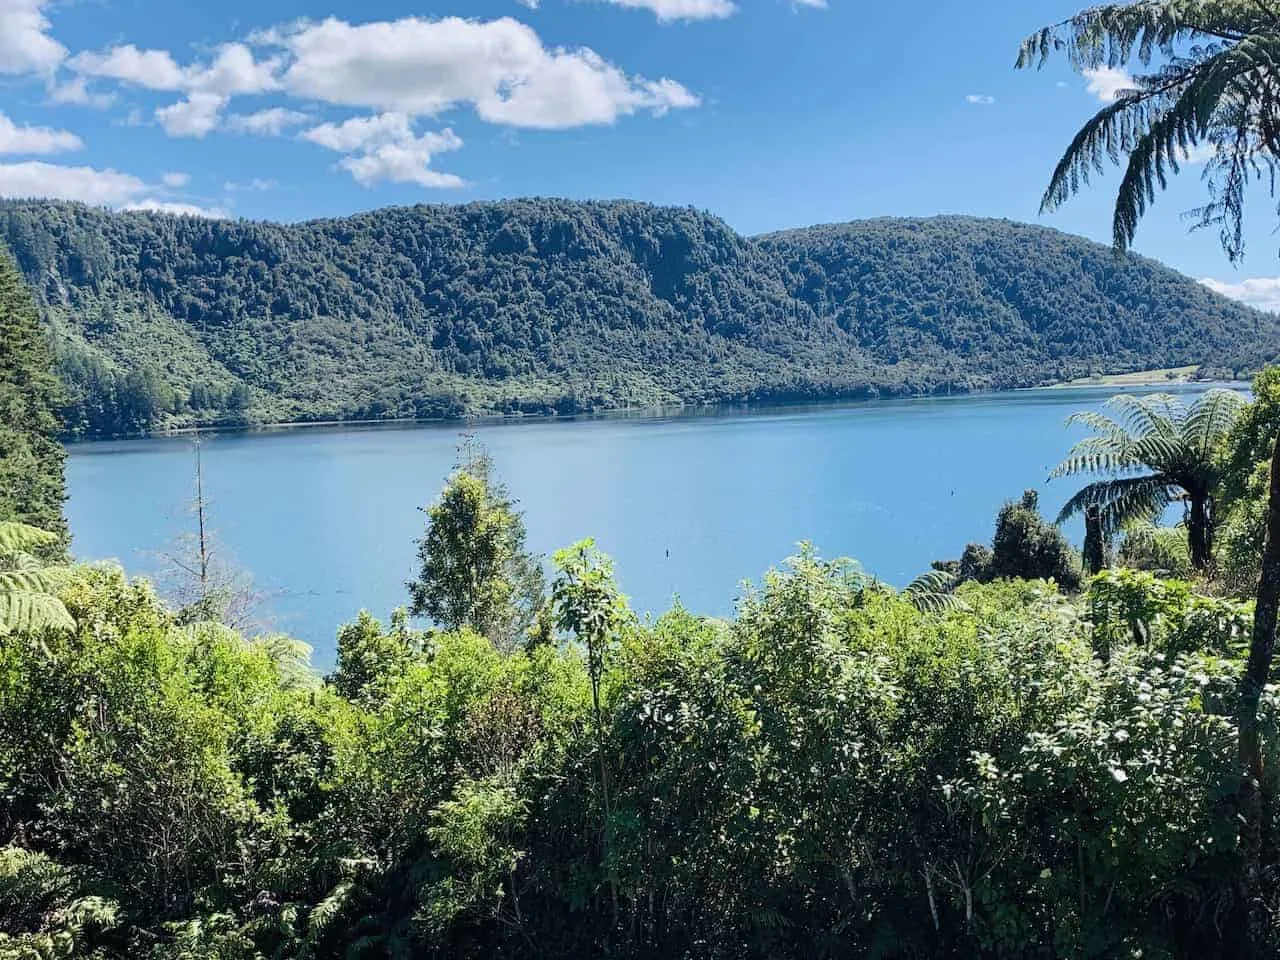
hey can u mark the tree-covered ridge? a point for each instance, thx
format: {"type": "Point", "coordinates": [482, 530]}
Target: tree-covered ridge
{"type": "Point", "coordinates": [552, 305]}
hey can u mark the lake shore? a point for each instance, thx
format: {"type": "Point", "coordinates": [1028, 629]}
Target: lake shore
{"type": "Point", "coordinates": [1140, 378]}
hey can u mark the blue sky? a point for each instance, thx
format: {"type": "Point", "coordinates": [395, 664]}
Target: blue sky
{"type": "Point", "coordinates": [770, 113]}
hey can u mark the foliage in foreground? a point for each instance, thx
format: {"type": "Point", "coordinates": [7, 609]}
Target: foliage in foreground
{"type": "Point", "coordinates": [831, 773]}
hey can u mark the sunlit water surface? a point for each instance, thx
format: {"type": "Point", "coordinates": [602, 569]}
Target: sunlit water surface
{"type": "Point", "coordinates": [691, 504]}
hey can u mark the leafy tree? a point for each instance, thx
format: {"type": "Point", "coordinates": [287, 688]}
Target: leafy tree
{"type": "Point", "coordinates": [1028, 547]}
{"type": "Point", "coordinates": [590, 608]}
{"type": "Point", "coordinates": [1157, 452]}
{"type": "Point", "coordinates": [475, 570]}
{"type": "Point", "coordinates": [369, 659]}
{"type": "Point", "coordinates": [32, 460]}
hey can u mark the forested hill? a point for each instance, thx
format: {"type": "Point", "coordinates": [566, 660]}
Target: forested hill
{"type": "Point", "coordinates": [549, 305]}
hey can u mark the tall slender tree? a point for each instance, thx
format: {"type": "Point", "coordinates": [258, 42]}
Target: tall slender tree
{"type": "Point", "coordinates": [32, 459]}
{"type": "Point", "coordinates": [475, 571]}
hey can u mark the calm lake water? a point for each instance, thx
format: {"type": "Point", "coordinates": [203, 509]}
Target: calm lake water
{"type": "Point", "coordinates": [325, 518]}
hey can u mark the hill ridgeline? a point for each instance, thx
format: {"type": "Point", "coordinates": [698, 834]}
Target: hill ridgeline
{"type": "Point", "coordinates": [553, 306]}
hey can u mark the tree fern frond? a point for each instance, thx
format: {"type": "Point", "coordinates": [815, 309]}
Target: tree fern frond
{"type": "Point", "coordinates": [27, 612]}
{"type": "Point", "coordinates": [327, 910]}
{"type": "Point", "coordinates": [32, 580]}
{"type": "Point", "coordinates": [1211, 418]}
{"type": "Point", "coordinates": [1099, 454]}
{"type": "Point", "coordinates": [932, 592]}
{"type": "Point", "coordinates": [1121, 500]}
{"type": "Point", "coordinates": [18, 538]}
{"type": "Point", "coordinates": [1097, 422]}
{"type": "Point", "coordinates": [292, 659]}
{"type": "Point", "coordinates": [1155, 414]}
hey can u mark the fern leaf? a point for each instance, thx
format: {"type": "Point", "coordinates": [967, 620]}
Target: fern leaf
{"type": "Point", "coordinates": [27, 612]}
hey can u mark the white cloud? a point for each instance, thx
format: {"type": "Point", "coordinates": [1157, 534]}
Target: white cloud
{"type": "Point", "coordinates": [812, 4]}
{"type": "Point", "coordinates": [76, 91]}
{"type": "Point", "coordinates": [361, 132]}
{"type": "Point", "coordinates": [177, 207]}
{"type": "Point", "coordinates": [500, 67]}
{"type": "Point", "coordinates": [271, 122]}
{"type": "Point", "coordinates": [1260, 292]}
{"type": "Point", "coordinates": [193, 117]}
{"type": "Point", "coordinates": [385, 147]}
{"type": "Point", "coordinates": [27, 139]}
{"type": "Point", "coordinates": [257, 184]}
{"type": "Point", "coordinates": [1200, 153]}
{"type": "Point", "coordinates": [109, 188]}
{"type": "Point", "coordinates": [152, 69]}
{"type": "Point", "coordinates": [25, 43]}
{"type": "Point", "coordinates": [406, 162]}
{"type": "Point", "coordinates": [980, 98]}
{"type": "Point", "coordinates": [234, 70]}
{"type": "Point", "coordinates": [1106, 83]}
{"type": "Point", "coordinates": [176, 180]}
{"type": "Point", "coordinates": [671, 10]}
{"type": "Point", "coordinates": [34, 178]}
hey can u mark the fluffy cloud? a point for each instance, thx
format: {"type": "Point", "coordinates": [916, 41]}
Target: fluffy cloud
{"type": "Point", "coordinates": [500, 67]}
{"type": "Point", "coordinates": [980, 98]}
{"type": "Point", "coordinates": [1200, 153]}
{"type": "Point", "coordinates": [108, 188]}
{"type": "Point", "coordinates": [385, 147]}
{"type": "Point", "coordinates": [25, 44]}
{"type": "Point", "coordinates": [271, 122]}
{"type": "Point", "coordinates": [176, 180]}
{"type": "Point", "coordinates": [34, 178]}
{"type": "Point", "coordinates": [25, 139]}
{"type": "Point", "coordinates": [669, 10]}
{"type": "Point", "coordinates": [234, 70]}
{"type": "Point", "coordinates": [76, 91]}
{"type": "Point", "coordinates": [1106, 83]}
{"type": "Point", "coordinates": [193, 117]}
{"type": "Point", "coordinates": [1260, 292]}
{"type": "Point", "coordinates": [814, 4]}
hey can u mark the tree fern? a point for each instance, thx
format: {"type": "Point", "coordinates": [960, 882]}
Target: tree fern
{"type": "Point", "coordinates": [1216, 85]}
{"type": "Point", "coordinates": [27, 601]}
{"type": "Point", "coordinates": [1154, 451]}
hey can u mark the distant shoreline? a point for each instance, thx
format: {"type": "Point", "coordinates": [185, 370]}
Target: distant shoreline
{"type": "Point", "coordinates": [1173, 376]}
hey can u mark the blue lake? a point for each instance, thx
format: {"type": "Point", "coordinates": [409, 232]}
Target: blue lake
{"type": "Point", "coordinates": [325, 519]}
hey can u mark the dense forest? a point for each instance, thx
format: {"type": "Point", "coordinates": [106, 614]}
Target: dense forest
{"type": "Point", "coordinates": [540, 306]}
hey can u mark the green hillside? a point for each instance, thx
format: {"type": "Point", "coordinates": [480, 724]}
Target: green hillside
{"type": "Point", "coordinates": [541, 306]}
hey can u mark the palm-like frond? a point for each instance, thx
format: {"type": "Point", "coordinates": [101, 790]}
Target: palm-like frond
{"type": "Point", "coordinates": [27, 601]}
{"type": "Point", "coordinates": [292, 660]}
{"type": "Point", "coordinates": [26, 612]}
{"type": "Point", "coordinates": [1211, 419]}
{"type": "Point", "coordinates": [1217, 86]}
{"type": "Point", "coordinates": [931, 592]}
{"type": "Point", "coordinates": [1122, 500]}
{"type": "Point", "coordinates": [19, 538]}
